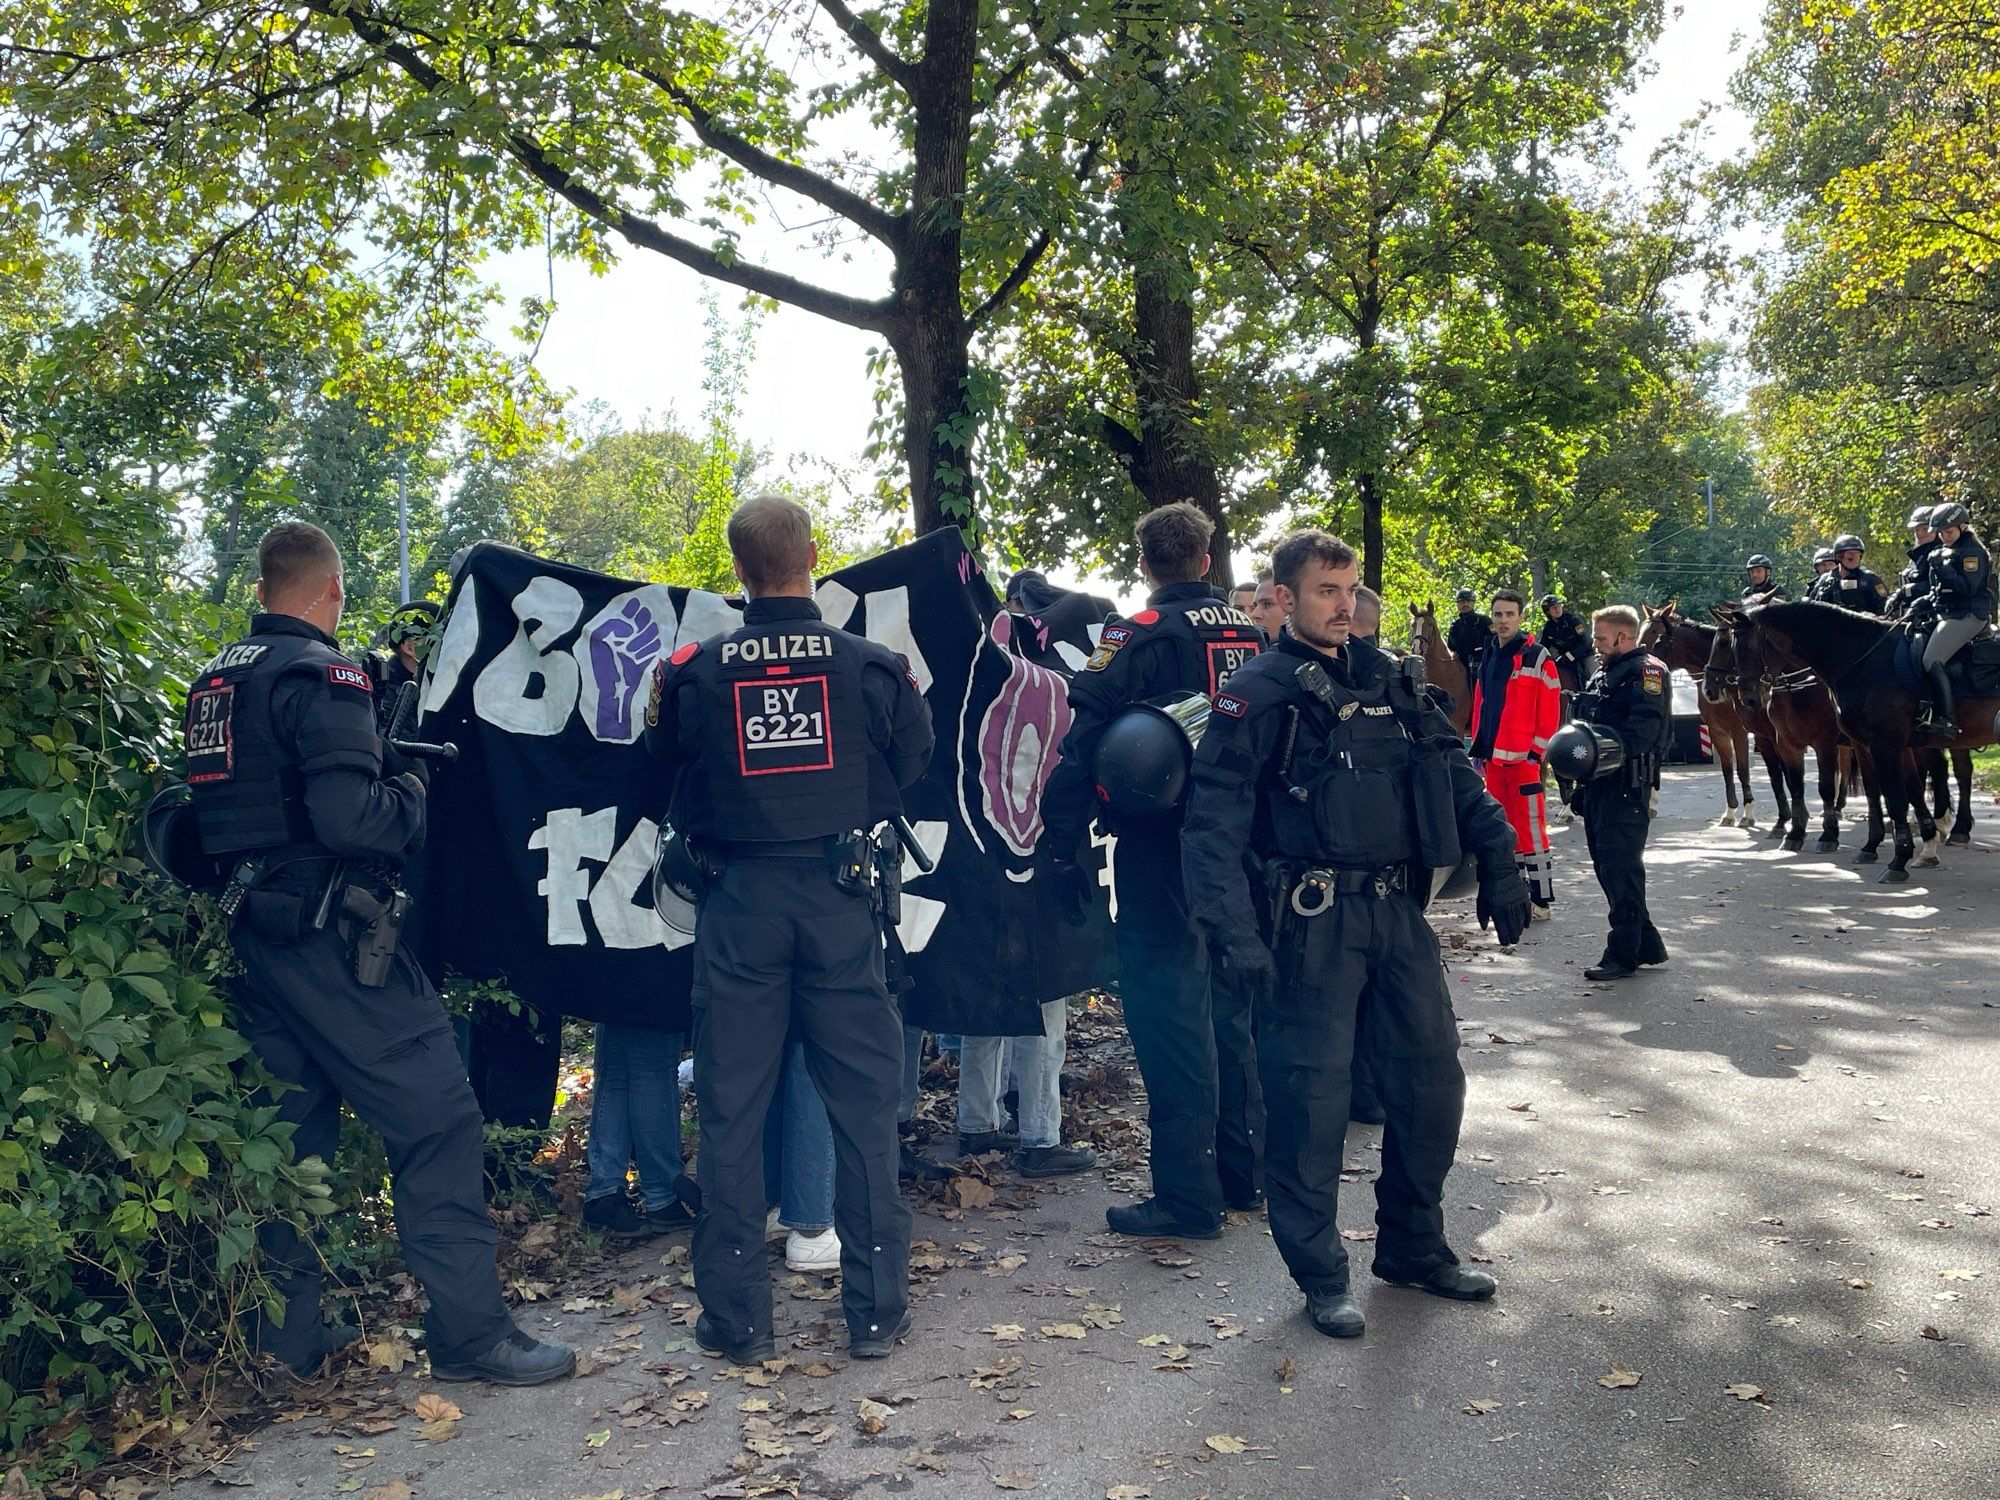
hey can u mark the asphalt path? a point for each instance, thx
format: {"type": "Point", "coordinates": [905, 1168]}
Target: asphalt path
{"type": "Point", "coordinates": [1740, 1209]}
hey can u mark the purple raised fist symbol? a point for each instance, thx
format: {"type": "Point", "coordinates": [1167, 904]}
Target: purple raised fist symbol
{"type": "Point", "coordinates": [621, 649]}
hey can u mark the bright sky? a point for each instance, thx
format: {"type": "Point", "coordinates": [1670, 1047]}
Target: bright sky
{"type": "Point", "coordinates": [633, 338]}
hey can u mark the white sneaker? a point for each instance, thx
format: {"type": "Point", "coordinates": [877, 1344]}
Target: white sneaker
{"type": "Point", "coordinates": [819, 1252]}
{"type": "Point", "coordinates": [773, 1230]}
{"type": "Point", "coordinates": [1540, 913]}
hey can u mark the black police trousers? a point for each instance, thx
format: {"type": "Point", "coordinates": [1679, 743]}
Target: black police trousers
{"type": "Point", "coordinates": [389, 1053]}
{"type": "Point", "coordinates": [1163, 980]}
{"type": "Point", "coordinates": [1615, 821]}
{"type": "Point", "coordinates": [1239, 1097]}
{"type": "Point", "coordinates": [778, 951]}
{"type": "Point", "coordinates": [1364, 972]}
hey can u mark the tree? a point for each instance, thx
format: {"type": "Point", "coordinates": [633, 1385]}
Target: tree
{"type": "Point", "coordinates": [244, 147]}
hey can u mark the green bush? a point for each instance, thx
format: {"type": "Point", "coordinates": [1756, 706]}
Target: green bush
{"type": "Point", "coordinates": [135, 1165]}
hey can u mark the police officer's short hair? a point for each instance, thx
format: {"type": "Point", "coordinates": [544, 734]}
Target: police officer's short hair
{"type": "Point", "coordinates": [292, 554]}
{"type": "Point", "coordinates": [1263, 575]}
{"type": "Point", "coordinates": [771, 540]}
{"type": "Point", "coordinates": [1174, 539]}
{"type": "Point", "coordinates": [1365, 595]}
{"type": "Point", "coordinates": [1512, 596]}
{"type": "Point", "coordinates": [1247, 586]}
{"type": "Point", "coordinates": [1288, 562]}
{"type": "Point", "coordinates": [1617, 614]}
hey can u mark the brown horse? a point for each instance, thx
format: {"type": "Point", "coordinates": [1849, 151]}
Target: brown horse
{"type": "Point", "coordinates": [1801, 713]}
{"type": "Point", "coordinates": [1853, 654]}
{"type": "Point", "coordinates": [1441, 668]}
{"type": "Point", "coordinates": [1683, 643]}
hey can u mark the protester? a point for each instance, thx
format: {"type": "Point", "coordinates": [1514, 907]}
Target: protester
{"type": "Point", "coordinates": [779, 778]}
{"type": "Point", "coordinates": [1265, 611]}
{"type": "Point", "coordinates": [635, 1118]}
{"type": "Point", "coordinates": [1034, 1064]}
{"type": "Point", "coordinates": [799, 1169]}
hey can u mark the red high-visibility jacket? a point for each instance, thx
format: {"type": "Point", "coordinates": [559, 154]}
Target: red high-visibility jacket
{"type": "Point", "coordinates": [1533, 710]}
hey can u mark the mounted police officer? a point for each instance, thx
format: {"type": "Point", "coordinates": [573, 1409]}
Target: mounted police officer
{"type": "Point", "coordinates": [1469, 634]}
{"type": "Point", "coordinates": [1564, 636]}
{"type": "Point", "coordinates": [1824, 563]}
{"type": "Point", "coordinates": [294, 791]}
{"type": "Point", "coordinates": [1849, 584]}
{"type": "Point", "coordinates": [1959, 571]}
{"type": "Point", "coordinates": [787, 743]}
{"type": "Point", "coordinates": [1334, 768]}
{"type": "Point", "coordinates": [1757, 579]}
{"type": "Point", "coordinates": [1615, 765]}
{"type": "Point", "coordinates": [1193, 1042]}
{"type": "Point", "coordinates": [1914, 582]}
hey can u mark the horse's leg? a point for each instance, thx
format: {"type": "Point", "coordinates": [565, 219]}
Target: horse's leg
{"type": "Point", "coordinates": [1739, 749]}
{"type": "Point", "coordinates": [1795, 782]}
{"type": "Point", "coordinates": [1918, 767]}
{"type": "Point", "coordinates": [1961, 826]}
{"type": "Point", "coordinates": [1724, 750]}
{"type": "Point", "coordinates": [1871, 787]}
{"type": "Point", "coordinates": [1890, 772]}
{"type": "Point", "coordinates": [1774, 767]}
{"type": "Point", "coordinates": [1826, 756]}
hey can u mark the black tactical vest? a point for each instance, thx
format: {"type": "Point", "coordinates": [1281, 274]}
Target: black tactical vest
{"type": "Point", "coordinates": [248, 791]}
{"type": "Point", "coordinates": [784, 736]}
{"type": "Point", "coordinates": [1211, 638]}
{"type": "Point", "coordinates": [1355, 764]}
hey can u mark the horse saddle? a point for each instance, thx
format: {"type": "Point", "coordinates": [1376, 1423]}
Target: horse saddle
{"type": "Point", "coordinates": [1974, 669]}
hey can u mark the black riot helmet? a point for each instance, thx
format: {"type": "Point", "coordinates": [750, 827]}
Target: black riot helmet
{"type": "Point", "coordinates": [1951, 513]}
{"type": "Point", "coordinates": [1758, 560]}
{"type": "Point", "coordinates": [1144, 755]}
{"type": "Point", "coordinates": [1825, 555]}
{"type": "Point", "coordinates": [1920, 518]}
{"type": "Point", "coordinates": [170, 841]}
{"type": "Point", "coordinates": [1466, 596]}
{"type": "Point", "coordinates": [677, 880]}
{"type": "Point", "coordinates": [1548, 599]}
{"type": "Point", "coordinates": [1849, 542]}
{"type": "Point", "coordinates": [1583, 752]}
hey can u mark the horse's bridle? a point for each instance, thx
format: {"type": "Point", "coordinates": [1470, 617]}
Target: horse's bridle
{"type": "Point", "coordinates": [1668, 619]}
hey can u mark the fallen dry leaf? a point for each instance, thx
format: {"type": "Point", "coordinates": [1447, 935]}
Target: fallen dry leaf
{"type": "Point", "coordinates": [1005, 1333]}
{"type": "Point", "coordinates": [1128, 1492]}
{"type": "Point", "coordinates": [872, 1416]}
{"type": "Point", "coordinates": [1959, 1273]}
{"type": "Point", "coordinates": [1747, 1392]}
{"type": "Point", "coordinates": [1618, 1377]}
{"type": "Point", "coordinates": [1015, 1479]}
{"type": "Point", "coordinates": [432, 1408]}
{"type": "Point", "coordinates": [390, 1354]}
{"type": "Point", "coordinates": [395, 1489]}
{"type": "Point", "coordinates": [1223, 1442]}
{"type": "Point", "coordinates": [1063, 1330]}
{"type": "Point", "coordinates": [970, 1192]}
{"type": "Point", "coordinates": [1480, 1407]}
{"type": "Point", "coordinates": [1933, 1334]}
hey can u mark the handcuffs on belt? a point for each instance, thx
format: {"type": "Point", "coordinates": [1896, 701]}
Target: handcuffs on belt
{"type": "Point", "coordinates": [1318, 887]}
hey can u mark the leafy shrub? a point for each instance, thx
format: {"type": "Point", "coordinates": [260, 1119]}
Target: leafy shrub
{"type": "Point", "coordinates": [135, 1165]}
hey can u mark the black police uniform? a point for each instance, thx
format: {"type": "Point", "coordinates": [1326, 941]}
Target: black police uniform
{"type": "Point", "coordinates": [285, 766]}
{"type": "Point", "coordinates": [1469, 635]}
{"type": "Point", "coordinates": [1858, 589]}
{"type": "Point", "coordinates": [1192, 1038]}
{"type": "Point", "coordinates": [1765, 590]}
{"type": "Point", "coordinates": [783, 737]}
{"type": "Point", "coordinates": [1357, 796]}
{"type": "Point", "coordinates": [1914, 581]}
{"type": "Point", "coordinates": [1627, 696]}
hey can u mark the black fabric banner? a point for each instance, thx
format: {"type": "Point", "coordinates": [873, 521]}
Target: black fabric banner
{"type": "Point", "coordinates": [542, 835]}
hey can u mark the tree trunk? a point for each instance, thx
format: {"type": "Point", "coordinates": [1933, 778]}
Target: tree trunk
{"type": "Point", "coordinates": [933, 341]}
{"type": "Point", "coordinates": [1174, 460]}
{"type": "Point", "coordinates": [1538, 576]}
{"type": "Point", "coordinates": [1367, 338]}
{"type": "Point", "coordinates": [1369, 486]}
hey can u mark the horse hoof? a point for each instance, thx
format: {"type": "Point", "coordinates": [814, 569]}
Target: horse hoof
{"type": "Point", "coordinates": [1927, 862]}
{"type": "Point", "coordinates": [1866, 857]}
{"type": "Point", "coordinates": [1827, 846]}
{"type": "Point", "coordinates": [1959, 841]}
{"type": "Point", "coordinates": [1776, 831]}
{"type": "Point", "coordinates": [1795, 842]}
{"type": "Point", "coordinates": [1893, 876]}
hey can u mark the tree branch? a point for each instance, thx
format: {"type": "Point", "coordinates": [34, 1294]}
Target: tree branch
{"type": "Point", "coordinates": [868, 42]}
{"type": "Point", "coordinates": [1037, 248]}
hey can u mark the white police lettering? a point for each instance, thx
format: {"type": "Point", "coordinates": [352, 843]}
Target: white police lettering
{"type": "Point", "coordinates": [1224, 657]}
{"type": "Point", "coordinates": [781, 726]}
{"type": "Point", "coordinates": [798, 646]}
{"type": "Point", "coordinates": [1377, 710]}
{"type": "Point", "coordinates": [236, 656]}
{"type": "Point", "coordinates": [211, 748]}
{"type": "Point", "coordinates": [1217, 614]}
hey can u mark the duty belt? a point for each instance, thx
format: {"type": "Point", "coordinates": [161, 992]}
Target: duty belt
{"type": "Point", "coordinates": [771, 848]}
{"type": "Point", "coordinates": [1317, 886]}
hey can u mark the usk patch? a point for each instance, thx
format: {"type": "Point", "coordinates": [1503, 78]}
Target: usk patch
{"type": "Point", "coordinates": [1235, 707]}
{"type": "Point", "coordinates": [1109, 644]}
{"type": "Point", "coordinates": [342, 675]}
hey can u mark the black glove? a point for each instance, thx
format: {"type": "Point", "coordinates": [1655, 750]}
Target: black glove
{"type": "Point", "coordinates": [1505, 904]}
{"type": "Point", "coordinates": [395, 763]}
{"type": "Point", "coordinates": [1246, 958]}
{"type": "Point", "coordinates": [1074, 890]}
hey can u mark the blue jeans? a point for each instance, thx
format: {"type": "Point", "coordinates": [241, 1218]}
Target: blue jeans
{"type": "Point", "coordinates": [635, 1113]}
{"type": "Point", "coordinates": [1034, 1063]}
{"type": "Point", "coordinates": [798, 1149]}
{"type": "Point", "coordinates": [913, 1065]}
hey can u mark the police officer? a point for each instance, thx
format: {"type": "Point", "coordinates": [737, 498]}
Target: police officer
{"type": "Point", "coordinates": [1334, 768]}
{"type": "Point", "coordinates": [1194, 1047]}
{"type": "Point", "coordinates": [1849, 584]}
{"type": "Point", "coordinates": [1563, 634]}
{"type": "Point", "coordinates": [787, 743]}
{"type": "Point", "coordinates": [1914, 582]}
{"type": "Point", "coordinates": [1959, 571]}
{"type": "Point", "coordinates": [293, 789]}
{"type": "Point", "coordinates": [1469, 634]}
{"type": "Point", "coordinates": [1824, 563]}
{"type": "Point", "coordinates": [1627, 699]}
{"type": "Point", "coordinates": [399, 661]}
{"type": "Point", "coordinates": [1757, 579]}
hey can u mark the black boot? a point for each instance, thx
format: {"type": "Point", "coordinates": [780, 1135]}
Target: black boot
{"type": "Point", "coordinates": [1156, 1220]}
{"type": "Point", "coordinates": [1459, 1283]}
{"type": "Point", "coordinates": [1942, 705]}
{"type": "Point", "coordinates": [1336, 1314]}
{"type": "Point", "coordinates": [517, 1359]}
